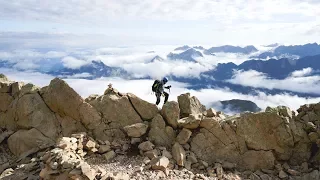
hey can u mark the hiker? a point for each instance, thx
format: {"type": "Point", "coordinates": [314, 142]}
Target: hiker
{"type": "Point", "coordinates": [158, 86]}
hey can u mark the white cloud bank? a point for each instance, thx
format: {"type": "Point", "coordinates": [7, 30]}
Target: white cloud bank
{"type": "Point", "coordinates": [296, 83]}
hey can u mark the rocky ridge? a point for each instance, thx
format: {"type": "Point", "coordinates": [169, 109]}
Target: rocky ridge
{"type": "Point", "coordinates": [53, 133]}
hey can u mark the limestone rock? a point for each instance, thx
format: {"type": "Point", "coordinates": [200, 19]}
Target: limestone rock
{"type": "Point", "coordinates": [146, 110]}
{"type": "Point", "coordinates": [146, 146]}
{"type": "Point", "coordinates": [184, 136]}
{"type": "Point", "coordinates": [160, 134]}
{"type": "Point", "coordinates": [89, 116]}
{"type": "Point", "coordinates": [282, 174]}
{"type": "Point", "coordinates": [211, 112]}
{"type": "Point", "coordinates": [171, 113]}
{"type": "Point", "coordinates": [151, 154]}
{"type": "Point", "coordinates": [109, 155]}
{"type": "Point", "coordinates": [189, 105]}
{"type": "Point", "coordinates": [254, 160]}
{"type": "Point", "coordinates": [32, 112]}
{"type": "Point", "coordinates": [28, 141]}
{"type": "Point", "coordinates": [117, 112]}
{"type": "Point", "coordinates": [179, 154]}
{"type": "Point", "coordinates": [5, 101]}
{"type": "Point", "coordinates": [62, 99]}
{"type": "Point", "coordinates": [136, 130]}
{"type": "Point", "coordinates": [159, 163]}
{"type": "Point", "coordinates": [191, 122]}
{"type": "Point", "coordinates": [104, 148]}
{"type": "Point", "coordinates": [262, 134]}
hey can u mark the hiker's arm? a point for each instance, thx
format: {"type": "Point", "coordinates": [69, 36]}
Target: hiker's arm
{"type": "Point", "coordinates": [168, 87]}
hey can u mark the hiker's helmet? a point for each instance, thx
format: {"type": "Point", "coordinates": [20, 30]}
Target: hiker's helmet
{"type": "Point", "coordinates": [165, 80]}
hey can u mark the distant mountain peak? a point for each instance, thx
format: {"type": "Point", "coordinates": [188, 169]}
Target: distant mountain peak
{"type": "Point", "coordinates": [188, 55]}
{"type": "Point", "coordinates": [182, 48]}
{"type": "Point", "coordinates": [156, 58]}
{"type": "Point", "coordinates": [232, 49]}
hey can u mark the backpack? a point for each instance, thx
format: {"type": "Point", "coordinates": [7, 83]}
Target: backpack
{"type": "Point", "coordinates": [155, 85]}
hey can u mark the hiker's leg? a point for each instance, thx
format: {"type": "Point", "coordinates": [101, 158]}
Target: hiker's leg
{"type": "Point", "coordinates": [166, 97]}
{"type": "Point", "coordinates": [158, 95]}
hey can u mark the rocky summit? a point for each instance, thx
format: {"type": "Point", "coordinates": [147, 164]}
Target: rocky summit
{"type": "Point", "coordinates": [53, 133]}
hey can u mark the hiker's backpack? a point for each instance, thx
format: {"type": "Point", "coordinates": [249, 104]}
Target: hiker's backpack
{"type": "Point", "coordinates": [155, 85]}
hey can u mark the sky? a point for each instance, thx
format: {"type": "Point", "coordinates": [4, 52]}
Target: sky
{"type": "Point", "coordinates": [146, 22]}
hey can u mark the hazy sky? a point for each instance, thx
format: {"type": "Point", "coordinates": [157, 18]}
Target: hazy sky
{"type": "Point", "coordinates": [136, 22]}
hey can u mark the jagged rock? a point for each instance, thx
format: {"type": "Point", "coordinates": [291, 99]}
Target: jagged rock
{"type": "Point", "coordinates": [28, 141]}
{"type": "Point", "coordinates": [160, 134]}
{"type": "Point", "coordinates": [28, 89]}
{"type": "Point", "coordinates": [136, 130]}
{"type": "Point", "coordinates": [91, 98]}
{"type": "Point", "coordinates": [219, 170]}
{"type": "Point", "coordinates": [117, 112]}
{"type": "Point", "coordinates": [189, 105]}
{"type": "Point", "coordinates": [67, 143]}
{"type": "Point", "coordinates": [146, 146]}
{"type": "Point", "coordinates": [208, 122]}
{"type": "Point", "coordinates": [179, 154]}
{"type": "Point", "coordinates": [280, 110]}
{"type": "Point", "coordinates": [192, 158]}
{"type": "Point", "coordinates": [159, 163]}
{"type": "Point", "coordinates": [151, 154]}
{"type": "Point", "coordinates": [109, 155]}
{"type": "Point", "coordinates": [87, 171]}
{"type": "Point", "coordinates": [146, 110]}
{"type": "Point", "coordinates": [171, 113]}
{"type": "Point", "coordinates": [191, 122]}
{"type": "Point", "coordinates": [62, 99]}
{"type": "Point", "coordinates": [89, 116]}
{"type": "Point", "coordinates": [5, 101]}
{"type": "Point", "coordinates": [15, 88]}
{"type": "Point", "coordinates": [254, 160]}
{"type": "Point", "coordinates": [283, 174]}
{"type": "Point", "coordinates": [104, 148]}
{"type": "Point", "coordinates": [70, 126]}
{"type": "Point", "coordinates": [310, 127]}
{"type": "Point", "coordinates": [262, 134]}
{"type": "Point", "coordinates": [32, 112]}
{"type": "Point", "coordinates": [293, 172]}
{"type": "Point", "coordinates": [211, 112]}
{"type": "Point", "coordinates": [184, 136]}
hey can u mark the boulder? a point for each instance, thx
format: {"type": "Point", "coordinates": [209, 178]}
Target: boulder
{"type": "Point", "coordinates": [136, 130]}
{"type": "Point", "coordinates": [260, 133]}
{"type": "Point", "coordinates": [29, 89]}
{"type": "Point", "coordinates": [32, 112]}
{"type": "Point", "coordinates": [109, 155]}
{"type": "Point", "coordinates": [211, 113]}
{"type": "Point", "coordinates": [189, 105]}
{"type": "Point", "coordinates": [179, 154]}
{"type": "Point", "coordinates": [3, 78]}
{"type": "Point", "coordinates": [184, 136]}
{"type": "Point", "coordinates": [62, 99]}
{"type": "Point", "coordinates": [146, 146]}
{"type": "Point", "coordinates": [171, 113]}
{"type": "Point", "coordinates": [5, 101]}
{"type": "Point", "coordinates": [70, 126]}
{"type": "Point", "coordinates": [159, 163]}
{"type": "Point", "coordinates": [255, 160]}
{"type": "Point", "coordinates": [16, 88]}
{"type": "Point", "coordinates": [117, 112]}
{"type": "Point", "coordinates": [208, 122]}
{"type": "Point", "coordinates": [146, 110]}
{"type": "Point", "coordinates": [160, 134]}
{"type": "Point", "coordinates": [191, 122]}
{"type": "Point", "coordinates": [24, 141]}
{"type": "Point", "coordinates": [89, 116]}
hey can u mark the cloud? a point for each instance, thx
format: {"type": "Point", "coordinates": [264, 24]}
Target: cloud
{"type": "Point", "coordinates": [100, 10]}
{"type": "Point", "coordinates": [73, 63]}
{"type": "Point", "coordinates": [142, 88]}
{"type": "Point", "coordinates": [252, 78]}
{"type": "Point", "coordinates": [302, 73]}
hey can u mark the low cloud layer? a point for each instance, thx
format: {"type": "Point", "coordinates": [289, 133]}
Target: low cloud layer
{"type": "Point", "coordinates": [298, 82]}
{"type": "Point", "coordinates": [142, 88]}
